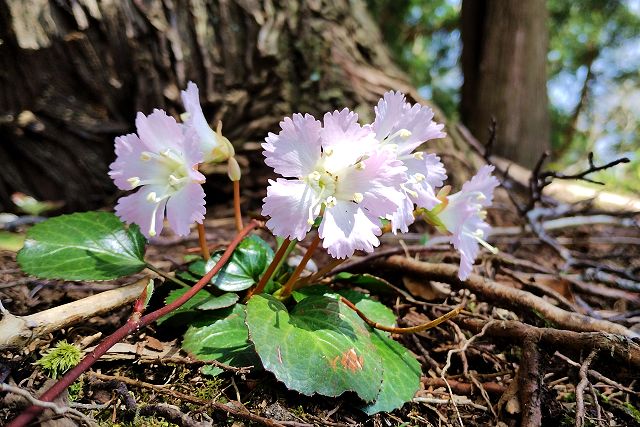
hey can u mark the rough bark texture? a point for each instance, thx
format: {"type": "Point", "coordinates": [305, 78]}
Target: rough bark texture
{"type": "Point", "coordinates": [74, 73]}
{"type": "Point", "coordinates": [504, 65]}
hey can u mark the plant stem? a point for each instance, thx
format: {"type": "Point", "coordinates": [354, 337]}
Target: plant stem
{"type": "Point", "coordinates": [134, 323]}
{"type": "Point", "coordinates": [395, 330]}
{"type": "Point", "coordinates": [236, 205]}
{"type": "Point", "coordinates": [275, 263]}
{"type": "Point", "coordinates": [288, 287]}
{"type": "Point", "coordinates": [202, 239]}
{"type": "Point", "coordinates": [167, 275]}
{"type": "Point", "coordinates": [324, 270]}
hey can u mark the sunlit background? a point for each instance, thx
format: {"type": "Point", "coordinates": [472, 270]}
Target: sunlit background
{"type": "Point", "coordinates": [593, 70]}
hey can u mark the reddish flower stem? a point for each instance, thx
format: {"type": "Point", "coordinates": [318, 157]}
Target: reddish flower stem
{"type": "Point", "coordinates": [135, 322]}
{"type": "Point", "coordinates": [236, 205]}
{"type": "Point", "coordinates": [202, 239]}
{"type": "Point", "coordinates": [288, 287]}
{"type": "Point", "coordinates": [272, 267]}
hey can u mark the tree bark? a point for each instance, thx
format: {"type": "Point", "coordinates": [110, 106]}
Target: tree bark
{"type": "Point", "coordinates": [74, 73]}
{"type": "Point", "coordinates": [504, 65]}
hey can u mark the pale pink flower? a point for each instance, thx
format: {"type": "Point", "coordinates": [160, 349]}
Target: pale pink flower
{"type": "Point", "coordinates": [402, 125]}
{"type": "Point", "coordinates": [336, 169]}
{"type": "Point", "coordinates": [401, 128]}
{"type": "Point", "coordinates": [162, 160]}
{"type": "Point", "coordinates": [464, 217]}
{"type": "Point", "coordinates": [425, 174]}
{"type": "Point", "coordinates": [215, 147]}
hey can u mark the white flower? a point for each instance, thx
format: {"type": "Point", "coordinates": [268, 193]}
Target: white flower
{"type": "Point", "coordinates": [336, 170]}
{"type": "Point", "coordinates": [463, 216]}
{"type": "Point", "coordinates": [162, 160]}
{"type": "Point", "coordinates": [401, 127]}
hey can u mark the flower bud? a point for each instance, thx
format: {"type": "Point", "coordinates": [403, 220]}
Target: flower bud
{"type": "Point", "coordinates": [233, 169]}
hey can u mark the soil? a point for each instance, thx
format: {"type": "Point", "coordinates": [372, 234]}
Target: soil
{"type": "Point", "coordinates": [487, 379]}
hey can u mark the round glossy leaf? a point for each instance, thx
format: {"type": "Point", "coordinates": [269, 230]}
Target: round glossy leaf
{"type": "Point", "coordinates": [223, 336]}
{"type": "Point", "coordinates": [320, 347]}
{"type": "Point", "coordinates": [244, 269]}
{"type": "Point", "coordinates": [401, 376]}
{"type": "Point", "coordinates": [83, 246]}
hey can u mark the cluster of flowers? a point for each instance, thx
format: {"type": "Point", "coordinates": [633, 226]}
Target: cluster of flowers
{"type": "Point", "coordinates": [352, 177]}
{"type": "Point", "coordinates": [347, 178]}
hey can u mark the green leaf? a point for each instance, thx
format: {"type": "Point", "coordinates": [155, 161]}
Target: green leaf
{"type": "Point", "coordinates": [320, 347]}
{"type": "Point", "coordinates": [202, 300]}
{"type": "Point", "coordinates": [222, 336]}
{"type": "Point", "coordinates": [401, 376]}
{"type": "Point", "coordinates": [374, 310]}
{"type": "Point", "coordinates": [250, 259]}
{"type": "Point", "coordinates": [370, 282]}
{"type": "Point", "coordinates": [225, 300]}
{"type": "Point", "coordinates": [83, 246]}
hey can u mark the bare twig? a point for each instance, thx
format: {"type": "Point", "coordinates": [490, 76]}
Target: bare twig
{"type": "Point", "coordinates": [618, 347]}
{"type": "Point", "coordinates": [233, 408]}
{"type": "Point", "coordinates": [464, 388]}
{"type": "Point", "coordinates": [584, 381]}
{"type": "Point", "coordinates": [597, 375]}
{"type": "Point", "coordinates": [59, 410]}
{"type": "Point", "coordinates": [172, 414]}
{"type": "Point", "coordinates": [447, 365]}
{"type": "Point", "coordinates": [188, 361]}
{"type": "Point", "coordinates": [397, 330]}
{"type": "Point", "coordinates": [497, 292]}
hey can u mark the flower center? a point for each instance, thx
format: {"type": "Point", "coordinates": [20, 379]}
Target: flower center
{"type": "Point", "coordinates": [172, 175]}
{"type": "Point", "coordinates": [322, 182]}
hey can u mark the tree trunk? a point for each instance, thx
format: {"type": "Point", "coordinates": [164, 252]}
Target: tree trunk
{"type": "Point", "coordinates": [75, 72]}
{"type": "Point", "coordinates": [504, 59]}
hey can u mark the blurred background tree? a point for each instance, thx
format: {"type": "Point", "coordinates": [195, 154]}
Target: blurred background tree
{"type": "Point", "coordinates": [593, 64]}
{"type": "Point", "coordinates": [73, 74]}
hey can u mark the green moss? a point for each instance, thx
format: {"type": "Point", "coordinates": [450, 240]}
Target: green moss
{"type": "Point", "coordinates": [632, 410]}
{"type": "Point", "coordinates": [209, 389]}
{"type": "Point", "coordinates": [59, 359]}
{"type": "Point", "coordinates": [75, 390]}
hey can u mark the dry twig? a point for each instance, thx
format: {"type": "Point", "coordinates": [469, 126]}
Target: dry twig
{"type": "Point", "coordinates": [234, 408]}
{"type": "Point", "coordinates": [59, 410]}
{"type": "Point", "coordinates": [492, 290]}
{"type": "Point", "coordinates": [619, 347]}
{"type": "Point", "coordinates": [584, 381]}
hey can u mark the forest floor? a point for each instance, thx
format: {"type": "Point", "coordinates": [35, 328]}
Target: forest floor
{"type": "Point", "coordinates": [535, 344]}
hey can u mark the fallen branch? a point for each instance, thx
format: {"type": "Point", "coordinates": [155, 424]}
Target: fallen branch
{"type": "Point", "coordinates": [530, 382]}
{"type": "Point", "coordinates": [619, 347]}
{"type": "Point", "coordinates": [492, 290]}
{"type": "Point", "coordinates": [17, 331]}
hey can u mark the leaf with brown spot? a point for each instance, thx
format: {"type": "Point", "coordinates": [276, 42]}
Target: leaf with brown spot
{"type": "Point", "coordinates": [323, 346]}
